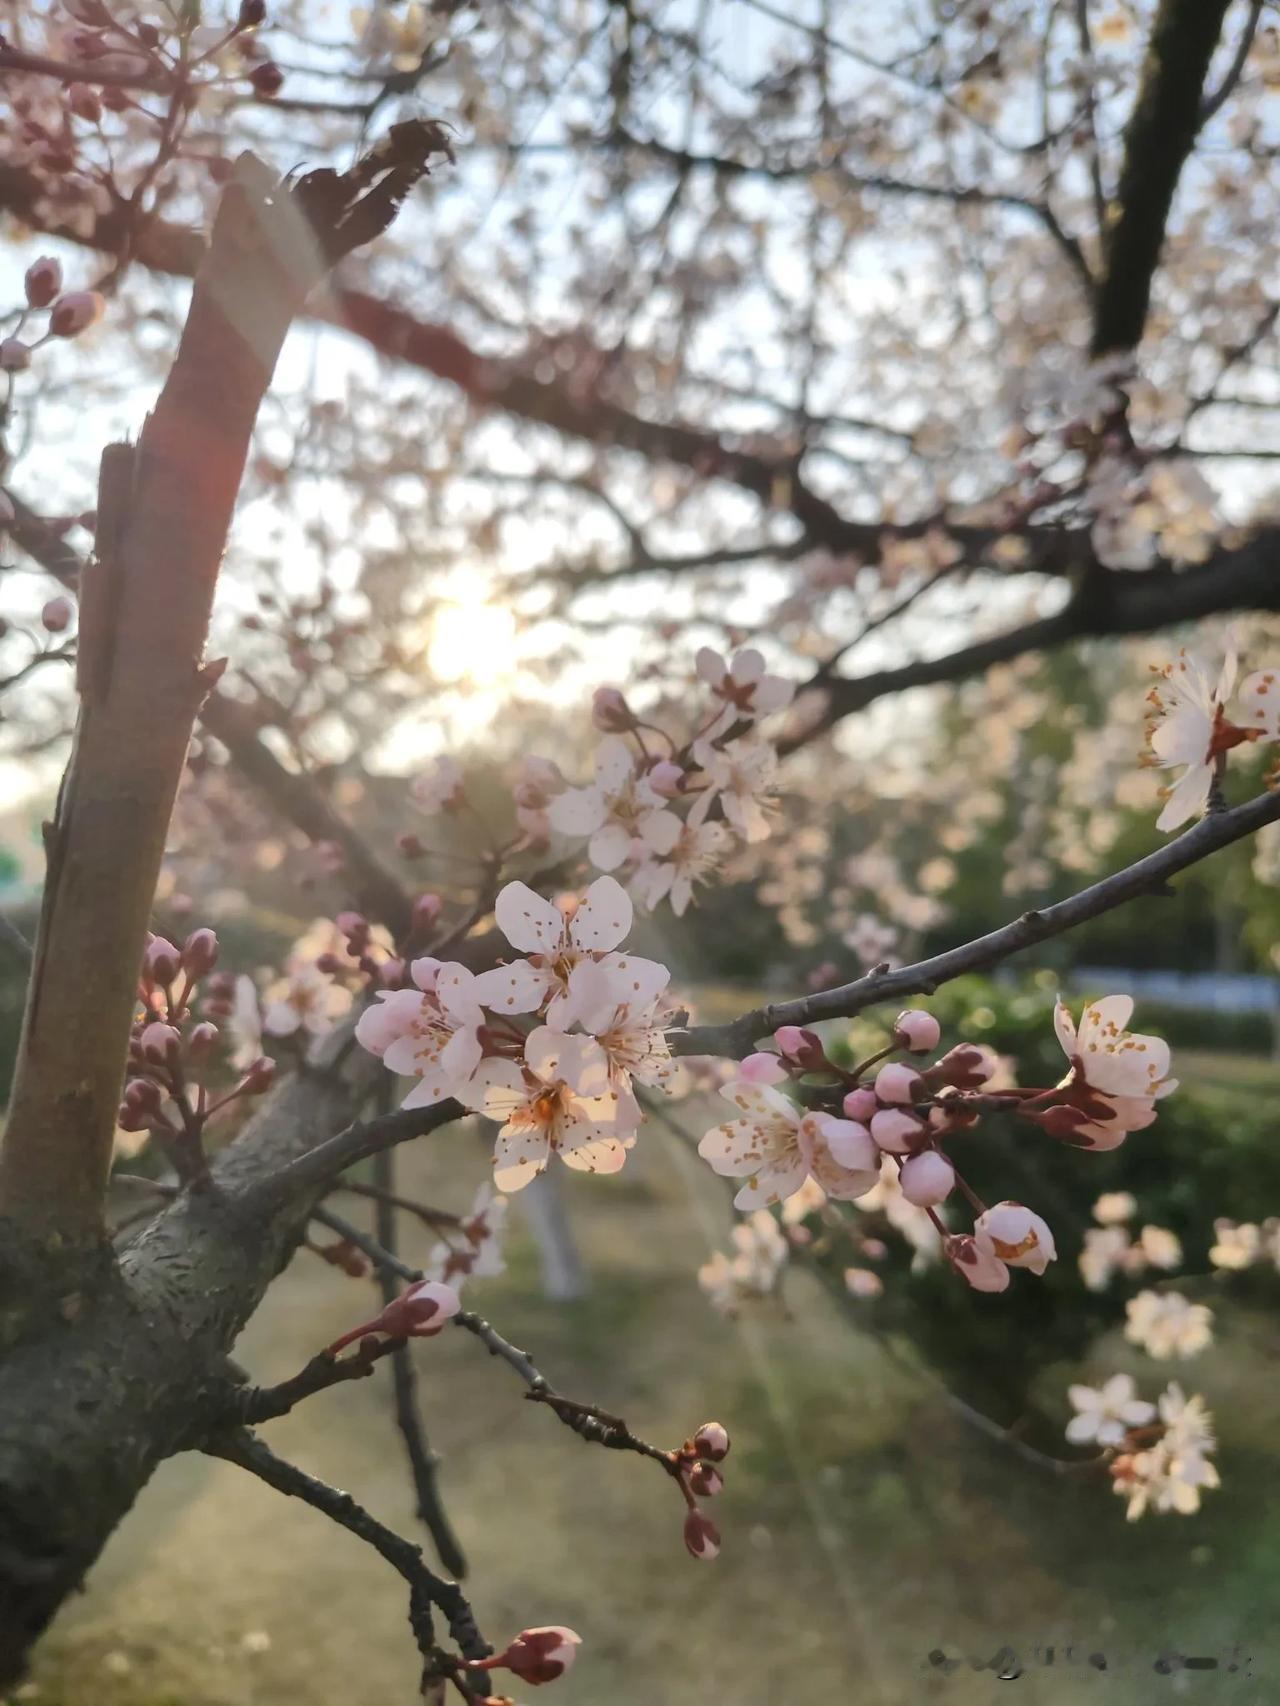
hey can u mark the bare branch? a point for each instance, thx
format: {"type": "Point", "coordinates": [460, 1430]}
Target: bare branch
{"type": "Point", "coordinates": [1146, 876]}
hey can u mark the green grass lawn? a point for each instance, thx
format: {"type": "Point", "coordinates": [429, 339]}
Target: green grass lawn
{"type": "Point", "coordinates": [865, 1524]}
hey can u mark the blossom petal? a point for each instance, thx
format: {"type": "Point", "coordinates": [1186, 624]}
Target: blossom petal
{"type": "Point", "coordinates": [529, 922]}
{"type": "Point", "coordinates": [604, 918]}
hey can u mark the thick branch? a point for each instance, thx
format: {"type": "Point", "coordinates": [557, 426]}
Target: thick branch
{"type": "Point", "coordinates": [1162, 129]}
{"type": "Point", "coordinates": [1147, 876]}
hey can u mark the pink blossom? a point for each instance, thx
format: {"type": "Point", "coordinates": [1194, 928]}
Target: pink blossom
{"type": "Point", "coordinates": [981, 1268]}
{"type": "Point", "coordinates": [439, 787]}
{"type": "Point", "coordinates": [763, 1145]}
{"type": "Point", "coordinates": [430, 1033]}
{"type": "Point", "coordinates": [899, 1083]}
{"type": "Point", "coordinates": [748, 692]}
{"type": "Point", "coordinates": [840, 1155]}
{"type": "Point", "coordinates": [917, 1030]}
{"type": "Point", "coordinates": [897, 1131]}
{"type": "Point", "coordinates": [1018, 1237]}
{"type": "Point", "coordinates": [762, 1068]}
{"type": "Point", "coordinates": [927, 1179]}
{"type": "Point", "coordinates": [861, 1104]}
{"type": "Point", "coordinates": [618, 810]}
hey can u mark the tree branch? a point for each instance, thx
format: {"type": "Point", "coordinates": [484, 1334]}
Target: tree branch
{"type": "Point", "coordinates": [1147, 876]}
{"type": "Point", "coordinates": [426, 1589]}
{"type": "Point", "coordinates": [1162, 129]}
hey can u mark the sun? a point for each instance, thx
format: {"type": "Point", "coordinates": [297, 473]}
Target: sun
{"type": "Point", "coordinates": [473, 640]}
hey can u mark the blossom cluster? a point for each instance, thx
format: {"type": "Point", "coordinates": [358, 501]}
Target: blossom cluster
{"type": "Point", "coordinates": [550, 1045]}
{"type": "Point", "coordinates": [663, 812]}
{"type": "Point", "coordinates": [1159, 1454]}
{"type": "Point", "coordinates": [1242, 1244]}
{"type": "Point", "coordinates": [845, 1126]}
{"type": "Point", "coordinates": [172, 1052]}
{"type": "Point", "coordinates": [1109, 1248]}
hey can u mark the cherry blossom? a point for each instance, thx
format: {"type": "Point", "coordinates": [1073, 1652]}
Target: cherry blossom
{"type": "Point", "coordinates": [474, 1249]}
{"type": "Point", "coordinates": [555, 945]}
{"type": "Point", "coordinates": [1189, 727]}
{"type": "Point", "coordinates": [431, 1033]}
{"type": "Point", "coordinates": [618, 811]}
{"type": "Point", "coordinates": [617, 1000]}
{"type": "Point", "coordinates": [840, 1154]}
{"type": "Point", "coordinates": [1175, 1470]}
{"type": "Point", "coordinates": [303, 1000]}
{"type": "Point", "coordinates": [1166, 1325]}
{"type": "Point", "coordinates": [763, 1145]}
{"type": "Point", "coordinates": [1104, 1414]}
{"type": "Point", "coordinates": [439, 787]}
{"type": "Point", "coordinates": [747, 691]}
{"type": "Point", "coordinates": [1016, 1235]}
{"type": "Point", "coordinates": [759, 1254]}
{"type": "Point", "coordinates": [740, 776]}
{"type": "Point", "coordinates": [1116, 1076]}
{"type": "Point", "coordinates": [542, 1114]}
{"type": "Point", "coordinates": [696, 853]}
{"type": "Point", "coordinates": [1235, 1245]}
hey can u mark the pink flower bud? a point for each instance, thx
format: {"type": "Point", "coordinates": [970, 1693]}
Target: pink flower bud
{"type": "Point", "coordinates": [701, 1536]}
{"type": "Point", "coordinates": [983, 1271]}
{"type": "Point", "coordinates": [84, 103]}
{"type": "Point", "coordinates": [666, 779]}
{"type": "Point", "coordinates": [799, 1047]}
{"type": "Point", "coordinates": [426, 909]}
{"type": "Point", "coordinates": [353, 925]}
{"type": "Point", "coordinates": [899, 1083]}
{"type": "Point", "coordinates": [391, 973]}
{"type": "Point", "coordinates": [410, 845]}
{"type": "Point", "coordinates": [539, 1655]}
{"type": "Point", "coordinates": [43, 281]}
{"type": "Point", "coordinates": [861, 1282]}
{"type": "Point", "coordinates": [15, 356]}
{"type": "Point", "coordinates": [712, 1442]}
{"type": "Point", "coordinates": [161, 1042]}
{"type": "Point", "coordinates": [56, 616]}
{"type": "Point", "coordinates": [251, 14]}
{"type": "Point", "coordinates": [610, 712]}
{"type": "Point", "coordinates": [161, 961]}
{"type": "Point", "coordinates": [142, 1096]}
{"type": "Point", "coordinates": [927, 1179]}
{"type": "Point", "coordinates": [896, 1131]}
{"type": "Point", "coordinates": [7, 514]}
{"type": "Point", "coordinates": [705, 1480]}
{"type": "Point", "coordinates": [75, 313]}
{"type": "Point", "coordinates": [762, 1068]}
{"type": "Point", "coordinates": [964, 1067]}
{"type": "Point", "coordinates": [267, 79]}
{"type": "Point", "coordinates": [200, 952]}
{"type": "Point", "coordinates": [917, 1030]}
{"type": "Point", "coordinates": [861, 1104]}
{"type": "Point", "coordinates": [203, 1040]}
{"type": "Point", "coordinates": [258, 1076]}
{"type": "Point", "coordinates": [419, 1313]}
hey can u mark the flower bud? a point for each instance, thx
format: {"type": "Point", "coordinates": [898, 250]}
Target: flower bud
{"type": "Point", "coordinates": [800, 1047]}
{"type": "Point", "coordinates": [43, 281]}
{"type": "Point", "coordinates": [56, 616]}
{"type": "Point", "coordinates": [391, 973]}
{"type": "Point", "coordinates": [161, 1042]}
{"type": "Point", "coordinates": [410, 845]}
{"type": "Point", "coordinates": [267, 79]}
{"type": "Point", "coordinates": [75, 313]}
{"type": "Point", "coordinates": [861, 1104]}
{"type": "Point", "coordinates": [161, 961]}
{"type": "Point", "coordinates": [539, 1655]}
{"type": "Point", "coordinates": [899, 1083]}
{"type": "Point", "coordinates": [15, 357]}
{"type": "Point", "coordinates": [927, 1179]}
{"type": "Point", "coordinates": [1018, 1237]}
{"type": "Point", "coordinates": [7, 515]}
{"type": "Point", "coordinates": [897, 1132]}
{"type": "Point", "coordinates": [258, 1076]}
{"type": "Point", "coordinates": [426, 909]}
{"type": "Point", "coordinates": [701, 1536]}
{"type": "Point", "coordinates": [916, 1030]}
{"type": "Point", "coordinates": [666, 779]}
{"type": "Point", "coordinates": [610, 712]}
{"type": "Point", "coordinates": [964, 1067]}
{"type": "Point", "coordinates": [705, 1480]}
{"type": "Point", "coordinates": [142, 1096]}
{"type": "Point", "coordinates": [84, 103]}
{"type": "Point", "coordinates": [252, 13]}
{"type": "Point", "coordinates": [202, 1040]}
{"type": "Point", "coordinates": [762, 1068]}
{"type": "Point", "coordinates": [711, 1442]}
{"type": "Point", "coordinates": [983, 1271]}
{"type": "Point", "coordinates": [861, 1282]}
{"type": "Point", "coordinates": [200, 952]}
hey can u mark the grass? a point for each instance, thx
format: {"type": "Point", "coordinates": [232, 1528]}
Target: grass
{"type": "Point", "coordinates": [865, 1525]}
